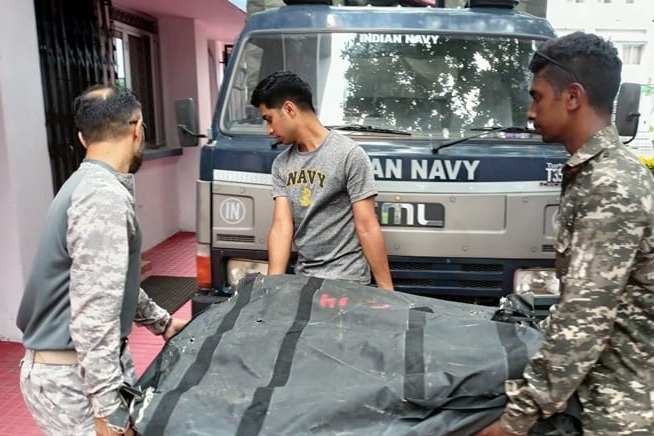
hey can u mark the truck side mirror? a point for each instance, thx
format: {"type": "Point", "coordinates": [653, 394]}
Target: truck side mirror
{"type": "Point", "coordinates": [187, 122]}
{"type": "Point", "coordinates": [626, 112]}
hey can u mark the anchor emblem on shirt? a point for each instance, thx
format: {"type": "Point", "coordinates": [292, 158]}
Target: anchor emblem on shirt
{"type": "Point", "coordinates": [305, 199]}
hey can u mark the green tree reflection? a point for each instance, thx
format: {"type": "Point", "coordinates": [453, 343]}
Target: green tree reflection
{"type": "Point", "coordinates": [452, 83]}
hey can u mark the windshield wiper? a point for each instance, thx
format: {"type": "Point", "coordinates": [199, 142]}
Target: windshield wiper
{"type": "Point", "coordinates": [484, 131]}
{"type": "Point", "coordinates": [368, 129]}
{"type": "Point", "coordinates": [509, 129]}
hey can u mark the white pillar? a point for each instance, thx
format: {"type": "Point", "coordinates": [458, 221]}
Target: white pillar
{"type": "Point", "coordinates": [25, 176]}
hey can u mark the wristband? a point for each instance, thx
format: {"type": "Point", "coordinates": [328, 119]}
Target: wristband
{"type": "Point", "coordinates": [160, 327]}
{"type": "Point", "coordinates": [168, 324]}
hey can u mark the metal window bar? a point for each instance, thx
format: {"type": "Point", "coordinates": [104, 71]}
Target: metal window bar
{"type": "Point", "coordinates": [76, 51]}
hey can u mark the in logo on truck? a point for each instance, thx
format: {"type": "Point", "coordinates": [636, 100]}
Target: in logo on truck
{"type": "Point", "coordinates": [232, 210]}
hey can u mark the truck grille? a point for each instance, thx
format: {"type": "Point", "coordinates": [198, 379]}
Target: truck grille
{"type": "Point", "coordinates": [481, 267]}
{"type": "Point", "coordinates": [469, 284]}
{"type": "Point", "coordinates": [449, 278]}
{"type": "Point", "coordinates": [408, 266]}
{"type": "Point", "coordinates": [235, 238]}
{"type": "Point", "coordinates": [422, 266]}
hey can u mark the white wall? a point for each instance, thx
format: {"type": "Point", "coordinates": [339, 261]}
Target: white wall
{"type": "Point", "coordinates": [180, 78]}
{"type": "Point", "coordinates": [185, 73]}
{"type": "Point", "coordinates": [189, 167]}
{"type": "Point", "coordinates": [157, 200]}
{"type": "Point", "coordinates": [25, 176]}
{"type": "Point", "coordinates": [10, 263]}
{"type": "Point", "coordinates": [624, 24]}
{"type": "Point", "coordinates": [620, 22]}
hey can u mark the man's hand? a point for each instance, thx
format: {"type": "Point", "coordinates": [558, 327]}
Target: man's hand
{"type": "Point", "coordinates": [388, 286]}
{"type": "Point", "coordinates": [372, 241]}
{"type": "Point", "coordinates": [102, 429]}
{"type": "Point", "coordinates": [495, 429]}
{"type": "Point", "coordinates": [176, 325]}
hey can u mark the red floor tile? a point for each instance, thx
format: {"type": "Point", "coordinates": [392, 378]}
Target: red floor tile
{"type": "Point", "coordinates": [173, 257]}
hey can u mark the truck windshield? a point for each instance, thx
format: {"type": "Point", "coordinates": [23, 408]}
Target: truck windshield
{"type": "Point", "coordinates": [428, 85]}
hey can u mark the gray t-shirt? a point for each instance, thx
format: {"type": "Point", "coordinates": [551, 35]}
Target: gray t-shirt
{"type": "Point", "coordinates": [322, 185]}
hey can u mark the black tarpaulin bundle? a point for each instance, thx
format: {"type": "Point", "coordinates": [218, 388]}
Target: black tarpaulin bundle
{"type": "Point", "coordinates": [290, 355]}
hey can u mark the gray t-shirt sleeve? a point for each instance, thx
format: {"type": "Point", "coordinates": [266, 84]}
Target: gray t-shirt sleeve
{"type": "Point", "coordinates": [278, 182]}
{"type": "Point", "coordinates": [359, 176]}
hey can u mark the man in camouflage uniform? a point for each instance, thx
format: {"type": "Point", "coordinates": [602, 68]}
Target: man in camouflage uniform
{"type": "Point", "coordinates": [83, 292]}
{"type": "Point", "coordinates": [600, 339]}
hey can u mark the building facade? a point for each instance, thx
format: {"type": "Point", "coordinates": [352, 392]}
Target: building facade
{"type": "Point", "coordinates": [629, 24]}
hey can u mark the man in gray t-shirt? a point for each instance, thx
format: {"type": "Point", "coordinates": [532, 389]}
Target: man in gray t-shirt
{"type": "Point", "coordinates": [324, 191]}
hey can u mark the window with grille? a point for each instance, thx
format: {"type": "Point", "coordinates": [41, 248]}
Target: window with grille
{"type": "Point", "coordinates": [632, 54]}
{"type": "Point", "coordinates": [136, 48]}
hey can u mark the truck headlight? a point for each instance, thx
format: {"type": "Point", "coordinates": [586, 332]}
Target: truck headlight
{"type": "Point", "coordinates": [539, 281]}
{"type": "Point", "coordinates": [239, 268]}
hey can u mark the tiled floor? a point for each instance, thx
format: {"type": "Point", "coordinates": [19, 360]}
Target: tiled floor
{"type": "Point", "coordinates": [173, 257]}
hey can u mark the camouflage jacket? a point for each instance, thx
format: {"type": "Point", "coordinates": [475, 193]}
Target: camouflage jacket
{"type": "Point", "coordinates": [104, 243]}
{"type": "Point", "coordinates": [600, 339]}
{"type": "Point", "coordinates": [83, 292]}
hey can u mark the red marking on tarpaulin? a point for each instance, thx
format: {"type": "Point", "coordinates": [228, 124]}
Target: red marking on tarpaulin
{"type": "Point", "coordinates": [327, 301]}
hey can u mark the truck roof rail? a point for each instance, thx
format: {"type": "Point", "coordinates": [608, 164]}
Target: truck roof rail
{"type": "Point", "coordinates": [416, 3]}
{"type": "Point", "coordinates": [505, 4]}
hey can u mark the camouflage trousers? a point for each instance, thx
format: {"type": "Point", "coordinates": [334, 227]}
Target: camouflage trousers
{"type": "Point", "coordinates": [612, 410]}
{"type": "Point", "coordinates": [55, 397]}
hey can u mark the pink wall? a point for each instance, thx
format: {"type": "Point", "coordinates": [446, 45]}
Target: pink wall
{"type": "Point", "coordinates": [165, 188]}
{"type": "Point", "coordinates": [166, 192]}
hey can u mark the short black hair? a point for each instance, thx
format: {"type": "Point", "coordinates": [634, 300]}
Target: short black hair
{"type": "Point", "coordinates": [584, 58]}
{"type": "Point", "coordinates": [104, 112]}
{"type": "Point", "coordinates": [283, 86]}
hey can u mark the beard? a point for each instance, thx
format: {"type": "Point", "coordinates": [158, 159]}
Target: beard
{"type": "Point", "coordinates": [136, 163]}
{"type": "Point", "coordinates": [137, 160]}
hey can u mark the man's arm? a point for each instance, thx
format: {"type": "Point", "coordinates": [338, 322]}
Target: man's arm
{"type": "Point", "coordinates": [156, 319]}
{"type": "Point", "coordinates": [280, 237]}
{"type": "Point", "coordinates": [602, 250]}
{"type": "Point", "coordinates": [372, 241]}
{"type": "Point", "coordinates": [97, 239]}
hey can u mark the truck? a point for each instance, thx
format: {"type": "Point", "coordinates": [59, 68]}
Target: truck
{"type": "Point", "coordinates": [438, 98]}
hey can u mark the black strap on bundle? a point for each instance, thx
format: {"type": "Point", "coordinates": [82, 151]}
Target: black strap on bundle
{"type": "Point", "coordinates": [414, 354]}
{"type": "Point", "coordinates": [252, 420]}
{"type": "Point", "coordinates": [516, 350]}
{"type": "Point", "coordinates": [200, 366]}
